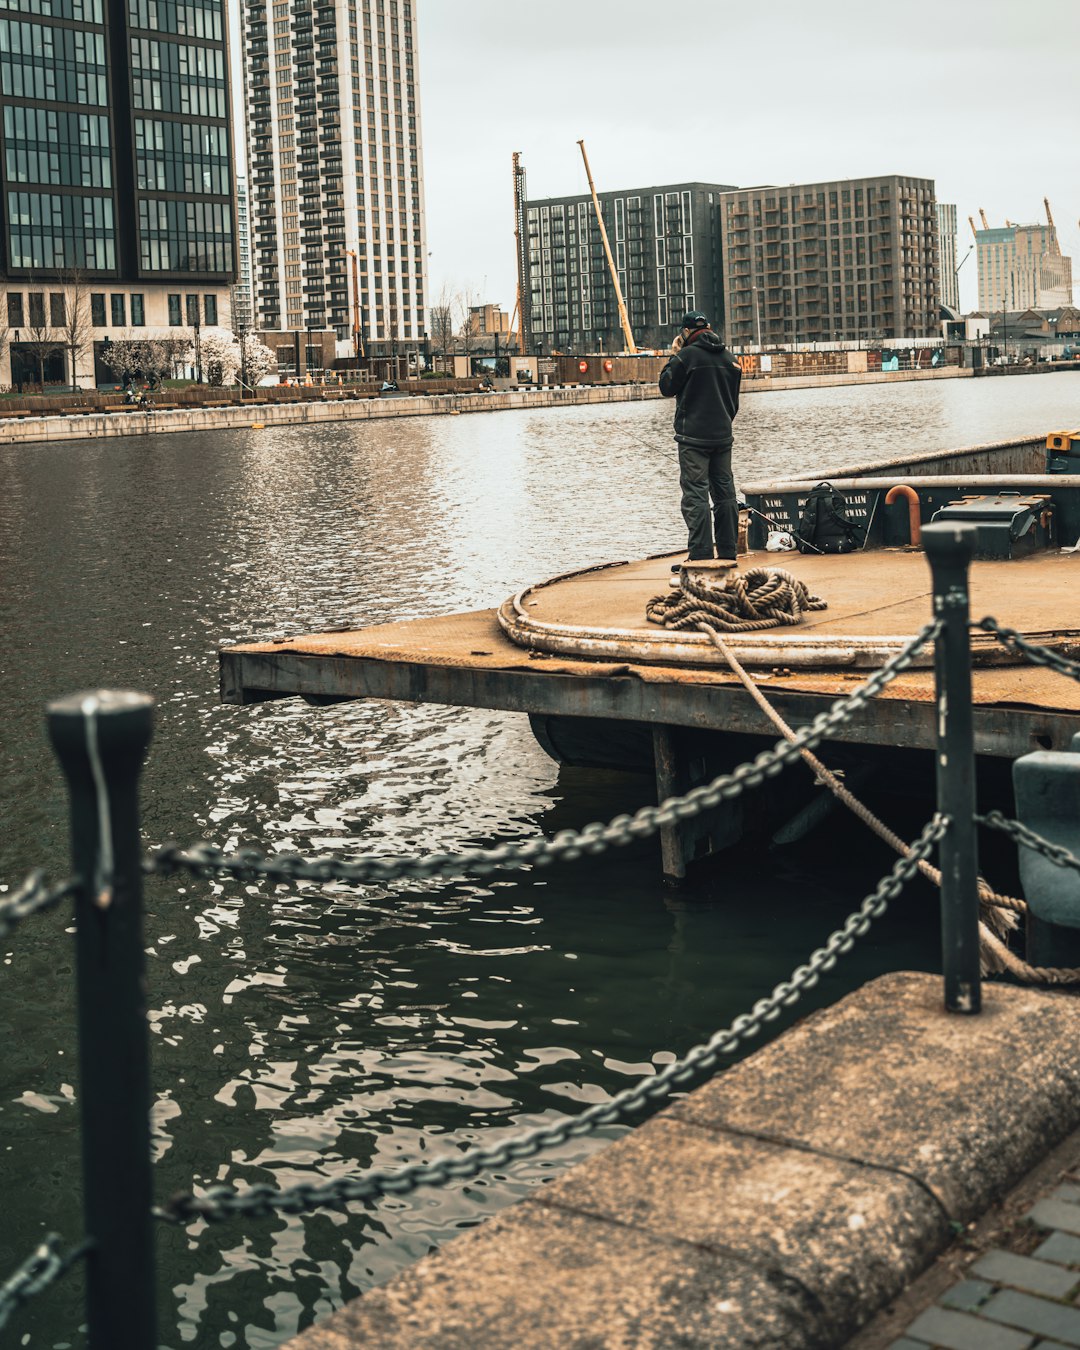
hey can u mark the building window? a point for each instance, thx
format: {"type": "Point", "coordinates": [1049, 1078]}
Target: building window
{"type": "Point", "coordinates": [97, 310]}
{"type": "Point", "coordinates": [138, 312]}
{"type": "Point", "coordinates": [36, 302]}
{"type": "Point", "coordinates": [191, 303]}
{"type": "Point", "coordinates": [175, 316]}
{"type": "Point", "coordinates": [47, 230]}
{"type": "Point", "coordinates": [119, 319]}
{"type": "Point", "coordinates": [191, 236]}
{"type": "Point", "coordinates": [210, 308]}
{"type": "Point", "coordinates": [15, 309]}
{"type": "Point", "coordinates": [57, 309]}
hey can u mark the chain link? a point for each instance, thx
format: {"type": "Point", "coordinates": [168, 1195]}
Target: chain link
{"type": "Point", "coordinates": [568, 845]}
{"type": "Point", "coordinates": [1055, 853]}
{"type": "Point", "coordinates": [43, 1267]}
{"type": "Point", "coordinates": [1036, 654]}
{"type": "Point", "coordinates": [32, 897]}
{"type": "Point", "coordinates": [224, 1202]}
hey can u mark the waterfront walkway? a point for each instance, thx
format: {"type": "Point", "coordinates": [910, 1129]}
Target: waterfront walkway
{"type": "Point", "coordinates": [1010, 1282]}
{"type": "Point", "coordinates": [249, 416]}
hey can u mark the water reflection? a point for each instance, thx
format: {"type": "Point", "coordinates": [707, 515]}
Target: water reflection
{"type": "Point", "coordinates": [299, 1032]}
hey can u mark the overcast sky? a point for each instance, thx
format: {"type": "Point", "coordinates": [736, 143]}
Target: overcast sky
{"type": "Point", "coordinates": [979, 96]}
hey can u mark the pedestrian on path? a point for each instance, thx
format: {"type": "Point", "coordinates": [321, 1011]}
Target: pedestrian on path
{"type": "Point", "coordinates": [703, 377]}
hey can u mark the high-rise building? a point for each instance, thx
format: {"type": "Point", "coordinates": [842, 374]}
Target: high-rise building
{"type": "Point", "coordinates": [1022, 267]}
{"type": "Point", "coordinates": [243, 301]}
{"type": "Point", "coordinates": [666, 248]}
{"type": "Point", "coordinates": [116, 177]}
{"type": "Point", "coordinates": [949, 292]}
{"type": "Point", "coordinates": [334, 162]}
{"type": "Point", "coordinates": [840, 261]}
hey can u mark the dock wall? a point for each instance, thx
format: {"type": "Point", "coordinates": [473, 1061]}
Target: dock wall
{"type": "Point", "coordinates": [130, 422]}
{"type": "Point", "coordinates": [780, 1205]}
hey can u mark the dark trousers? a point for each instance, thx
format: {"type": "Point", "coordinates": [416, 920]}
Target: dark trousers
{"type": "Point", "coordinates": [705, 473]}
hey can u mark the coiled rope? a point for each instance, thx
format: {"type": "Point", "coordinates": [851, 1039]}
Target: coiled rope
{"type": "Point", "coordinates": [763, 597]}
{"type": "Point", "coordinates": [789, 598]}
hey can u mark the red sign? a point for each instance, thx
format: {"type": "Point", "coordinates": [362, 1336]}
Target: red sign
{"type": "Point", "coordinates": [583, 366]}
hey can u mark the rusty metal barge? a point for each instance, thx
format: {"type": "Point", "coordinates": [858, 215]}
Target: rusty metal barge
{"type": "Point", "coordinates": [604, 687]}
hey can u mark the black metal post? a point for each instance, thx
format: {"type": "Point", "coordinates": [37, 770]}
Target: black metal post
{"type": "Point", "coordinates": [949, 549]}
{"type": "Point", "coordinates": [101, 739]}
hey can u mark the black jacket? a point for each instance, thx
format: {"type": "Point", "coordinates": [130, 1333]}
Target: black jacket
{"type": "Point", "coordinates": [704, 380]}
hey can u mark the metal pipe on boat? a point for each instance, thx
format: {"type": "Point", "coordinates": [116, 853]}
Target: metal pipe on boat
{"type": "Point", "coordinates": [914, 516]}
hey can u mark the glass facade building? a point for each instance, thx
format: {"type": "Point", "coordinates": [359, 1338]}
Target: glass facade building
{"type": "Point", "coordinates": [116, 144]}
{"type": "Point", "coordinates": [335, 172]}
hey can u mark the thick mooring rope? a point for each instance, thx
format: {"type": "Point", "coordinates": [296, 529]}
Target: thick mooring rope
{"type": "Point", "coordinates": [763, 597]}
{"type": "Point", "coordinates": [998, 911]}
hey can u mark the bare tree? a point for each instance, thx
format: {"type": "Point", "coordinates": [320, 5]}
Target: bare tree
{"type": "Point", "coordinates": [467, 302]}
{"type": "Point", "coordinates": [5, 327]}
{"type": "Point", "coordinates": [43, 340]}
{"type": "Point", "coordinates": [443, 319]}
{"type": "Point", "coordinates": [78, 325]}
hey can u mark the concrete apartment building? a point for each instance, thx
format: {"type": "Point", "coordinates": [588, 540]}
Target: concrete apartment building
{"type": "Point", "coordinates": [855, 259]}
{"type": "Point", "coordinates": [1022, 267]}
{"type": "Point", "coordinates": [949, 293]}
{"type": "Point", "coordinates": [666, 245]}
{"type": "Point", "coordinates": [117, 192]}
{"type": "Point", "coordinates": [336, 183]}
{"type": "Point", "coordinates": [243, 298]}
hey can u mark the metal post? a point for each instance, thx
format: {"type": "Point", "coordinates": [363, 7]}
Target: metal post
{"type": "Point", "coordinates": [949, 549]}
{"type": "Point", "coordinates": [101, 739]}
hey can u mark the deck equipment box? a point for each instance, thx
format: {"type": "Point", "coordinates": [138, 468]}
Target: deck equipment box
{"type": "Point", "coordinates": [1009, 525]}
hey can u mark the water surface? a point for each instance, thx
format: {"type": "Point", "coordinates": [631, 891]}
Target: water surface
{"type": "Point", "coordinates": [299, 1034]}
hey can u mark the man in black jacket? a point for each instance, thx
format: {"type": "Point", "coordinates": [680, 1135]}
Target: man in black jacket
{"type": "Point", "coordinates": [703, 377]}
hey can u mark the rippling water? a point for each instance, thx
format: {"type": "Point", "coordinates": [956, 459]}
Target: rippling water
{"type": "Point", "coordinates": [298, 1035]}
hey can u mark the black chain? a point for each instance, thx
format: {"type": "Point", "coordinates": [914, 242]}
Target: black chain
{"type": "Point", "coordinates": [1036, 654]}
{"type": "Point", "coordinates": [1061, 857]}
{"type": "Point", "coordinates": [43, 1267]}
{"type": "Point", "coordinates": [249, 864]}
{"type": "Point", "coordinates": [224, 1202]}
{"type": "Point", "coordinates": [32, 897]}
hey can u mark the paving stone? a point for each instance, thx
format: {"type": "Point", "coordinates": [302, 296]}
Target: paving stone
{"type": "Point", "coordinates": [1036, 1315]}
{"type": "Point", "coordinates": [959, 1331]}
{"type": "Point", "coordinates": [1056, 1214]}
{"type": "Point", "coordinates": [1067, 1191]}
{"type": "Point", "coordinates": [1061, 1248]}
{"type": "Point", "coordinates": [967, 1295]}
{"type": "Point", "coordinates": [1037, 1277]}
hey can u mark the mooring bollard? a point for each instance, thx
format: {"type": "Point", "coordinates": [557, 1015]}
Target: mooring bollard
{"type": "Point", "coordinates": [949, 549]}
{"type": "Point", "coordinates": [101, 739]}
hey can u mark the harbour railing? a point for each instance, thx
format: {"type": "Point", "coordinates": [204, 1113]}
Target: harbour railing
{"type": "Point", "coordinates": [101, 740]}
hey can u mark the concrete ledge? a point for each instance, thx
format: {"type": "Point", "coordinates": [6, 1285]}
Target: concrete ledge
{"type": "Point", "coordinates": [780, 1205]}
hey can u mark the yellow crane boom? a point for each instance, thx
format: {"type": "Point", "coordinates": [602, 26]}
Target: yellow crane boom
{"type": "Point", "coordinates": [623, 319]}
{"type": "Point", "coordinates": [982, 217]}
{"type": "Point", "coordinates": [522, 308]}
{"type": "Point", "coordinates": [1049, 217]}
{"type": "Point", "coordinates": [974, 232]}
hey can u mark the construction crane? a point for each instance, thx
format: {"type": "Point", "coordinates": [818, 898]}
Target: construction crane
{"type": "Point", "coordinates": [974, 232]}
{"type": "Point", "coordinates": [982, 217]}
{"type": "Point", "coordinates": [357, 329]}
{"type": "Point", "coordinates": [623, 319]}
{"type": "Point", "coordinates": [1049, 217]}
{"type": "Point", "coordinates": [522, 308]}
